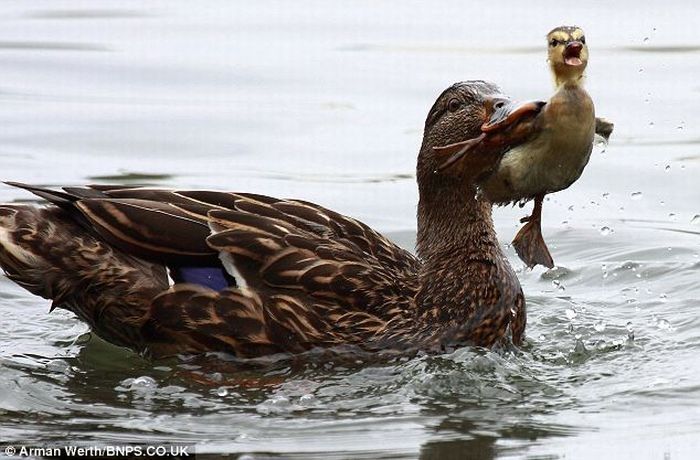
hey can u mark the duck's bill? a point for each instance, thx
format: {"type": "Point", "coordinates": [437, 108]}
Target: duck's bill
{"type": "Point", "coordinates": [449, 156]}
{"type": "Point", "coordinates": [572, 54]}
{"type": "Point", "coordinates": [506, 113]}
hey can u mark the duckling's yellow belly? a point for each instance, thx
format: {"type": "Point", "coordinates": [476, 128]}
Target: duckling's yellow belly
{"type": "Point", "coordinates": [554, 159]}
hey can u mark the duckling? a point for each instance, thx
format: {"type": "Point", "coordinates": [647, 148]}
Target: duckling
{"type": "Point", "coordinates": [537, 148]}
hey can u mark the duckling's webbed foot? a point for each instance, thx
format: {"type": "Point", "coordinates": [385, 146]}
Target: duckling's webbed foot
{"type": "Point", "coordinates": [529, 243]}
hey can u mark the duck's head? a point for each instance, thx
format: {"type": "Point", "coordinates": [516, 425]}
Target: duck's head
{"type": "Point", "coordinates": [568, 54]}
{"type": "Point", "coordinates": [457, 115]}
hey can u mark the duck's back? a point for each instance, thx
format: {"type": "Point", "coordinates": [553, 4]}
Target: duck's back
{"type": "Point", "coordinates": [167, 272]}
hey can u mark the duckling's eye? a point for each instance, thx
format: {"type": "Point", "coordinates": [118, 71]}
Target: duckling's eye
{"type": "Point", "coordinates": [454, 105]}
{"type": "Point", "coordinates": [583, 40]}
{"type": "Point", "coordinates": [554, 42]}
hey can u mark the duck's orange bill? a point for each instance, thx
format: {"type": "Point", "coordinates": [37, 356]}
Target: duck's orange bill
{"type": "Point", "coordinates": [507, 114]}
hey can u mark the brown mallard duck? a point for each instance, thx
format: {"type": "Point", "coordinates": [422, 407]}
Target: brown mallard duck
{"type": "Point", "coordinates": [538, 147]}
{"type": "Point", "coordinates": [165, 272]}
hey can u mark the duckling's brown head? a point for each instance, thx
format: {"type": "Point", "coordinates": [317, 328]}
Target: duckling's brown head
{"type": "Point", "coordinates": [568, 54]}
{"type": "Point", "coordinates": [457, 115]}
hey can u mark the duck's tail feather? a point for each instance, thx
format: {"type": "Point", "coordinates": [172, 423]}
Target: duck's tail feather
{"type": "Point", "coordinates": [49, 254]}
{"type": "Point", "coordinates": [56, 197]}
{"type": "Point", "coordinates": [20, 264]}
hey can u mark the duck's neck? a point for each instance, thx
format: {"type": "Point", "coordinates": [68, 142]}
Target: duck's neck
{"type": "Point", "coordinates": [453, 219]}
{"type": "Point", "coordinates": [568, 79]}
{"type": "Point", "coordinates": [460, 253]}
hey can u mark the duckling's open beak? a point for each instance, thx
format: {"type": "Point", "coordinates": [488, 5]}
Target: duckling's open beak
{"type": "Point", "coordinates": [572, 53]}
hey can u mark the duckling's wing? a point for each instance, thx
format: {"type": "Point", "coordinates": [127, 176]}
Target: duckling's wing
{"type": "Point", "coordinates": [604, 128]}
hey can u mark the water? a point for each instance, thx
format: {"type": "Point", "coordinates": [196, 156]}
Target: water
{"type": "Point", "coordinates": [326, 102]}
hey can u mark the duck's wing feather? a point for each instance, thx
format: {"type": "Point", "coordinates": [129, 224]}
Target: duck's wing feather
{"type": "Point", "coordinates": [312, 266]}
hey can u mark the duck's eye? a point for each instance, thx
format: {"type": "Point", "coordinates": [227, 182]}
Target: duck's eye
{"type": "Point", "coordinates": [583, 40]}
{"type": "Point", "coordinates": [454, 105]}
{"type": "Point", "coordinates": [554, 42]}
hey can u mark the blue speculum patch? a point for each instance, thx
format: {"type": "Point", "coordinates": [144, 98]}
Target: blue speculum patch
{"type": "Point", "coordinates": [211, 277]}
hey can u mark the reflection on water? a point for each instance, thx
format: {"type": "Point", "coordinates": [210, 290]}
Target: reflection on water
{"type": "Point", "coordinates": [325, 102]}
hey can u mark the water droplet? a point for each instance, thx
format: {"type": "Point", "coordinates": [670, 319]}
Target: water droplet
{"type": "Point", "coordinates": [695, 220]}
{"type": "Point", "coordinates": [636, 195]}
{"type": "Point", "coordinates": [558, 285]}
{"type": "Point", "coordinates": [274, 405]}
{"type": "Point", "coordinates": [222, 391]}
{"type": "Point", "coordinates": [605, 231]}
{"type": "Point", "coordinates": [663, 324]}
{"type": "Point", "coordinates": [599, 326]}
{"type": "Point", "coordinates": [570, 313]}
{"type": "Point", "coordinates": [144, 382]}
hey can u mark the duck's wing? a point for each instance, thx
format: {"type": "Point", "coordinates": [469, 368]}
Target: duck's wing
{"type": "Point", "coordinates": [303, 274]}
{"type": "Point", "coordinates": [148, 223]}
{"type": "Point", "coordinates": [158, 223]}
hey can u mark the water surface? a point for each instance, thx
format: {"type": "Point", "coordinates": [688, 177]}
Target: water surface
{"type": "Point", "coordinates": [325, 101]}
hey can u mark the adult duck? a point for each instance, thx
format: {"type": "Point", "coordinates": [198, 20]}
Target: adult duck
{"type": "Point", "coordinates": [165, 272]}
{"type": "Point", "coordinates": [538, 147]}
